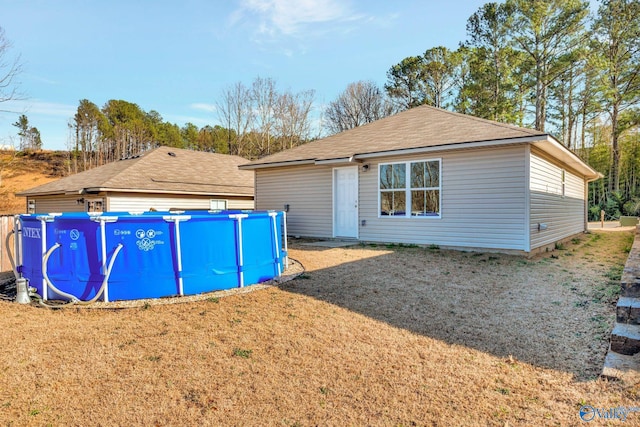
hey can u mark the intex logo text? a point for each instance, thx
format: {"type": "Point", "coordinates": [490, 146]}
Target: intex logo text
{"type": "Point", "coordinates": [33, 233]}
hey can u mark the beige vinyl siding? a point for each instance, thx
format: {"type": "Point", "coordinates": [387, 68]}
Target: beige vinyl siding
{"type": "Point", "coordinates": [46, 204]}
{"type": "Point", "coordinates": [563, 215]}
{"type": "Point", "coordinates": [240, 204]}
{"type": "Point", "coordinates": [483, 202]}
{"type": "Point", "coordinates": [134, 203]}
{"type": "Point", "coordinates": [308, 192]}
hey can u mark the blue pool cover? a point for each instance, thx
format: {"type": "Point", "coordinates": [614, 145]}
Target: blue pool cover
{"type": "Point", "coordinates": [149, 255]}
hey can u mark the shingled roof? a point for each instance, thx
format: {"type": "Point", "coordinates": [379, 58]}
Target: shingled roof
{"type": "Point", "coordinates": [162, 170]}
{"type": "Point", "coordinates": [420, 128]}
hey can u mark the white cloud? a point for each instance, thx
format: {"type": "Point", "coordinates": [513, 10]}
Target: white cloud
{"type": "Point", "coordinates": [37, 107]}
{"type": "Point", "coordinates": [201, 106]}
{"type": "Point", "coordinates": [291, 18]}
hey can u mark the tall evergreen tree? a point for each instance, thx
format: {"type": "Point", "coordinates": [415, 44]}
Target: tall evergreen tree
{"type": "Point", "coordinates": [493, 87]}
{"type": "Point", "coordinates": [616, 49]}
{"type": "Point", "coordinates": [405, 83]}
{"type": "Point", "coordinates": [550, 32]}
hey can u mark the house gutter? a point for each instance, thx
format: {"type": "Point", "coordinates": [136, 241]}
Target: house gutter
{"type": "Point", "coordinates": [98, 190]}
{"type": "Point", "coordinates": [277, 164]}
{"type": "Point", "coordinates": [586, 199]}
{"type": "Point", "coordinates": [552, 146]}
{"type": "Point", "coordinates": [448, 147]}
{"type": "Point", "coordinates": [337, 161]}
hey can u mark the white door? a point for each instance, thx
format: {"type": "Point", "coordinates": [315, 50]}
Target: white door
{"type": "Point", "coordinates": [345, 202]}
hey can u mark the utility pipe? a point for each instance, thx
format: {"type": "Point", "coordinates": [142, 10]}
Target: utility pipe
{"type": "Point", "coordinates": [176, 221]}
{"type": "Point", "coordinates": [276, 246]}
{"type": "Point", "coordinates": [43, 245]}
{"type": "Point", "coordinates": [239, 217]}
{"type": "Point", "coordinates": [286, 239]}
{"type": "Point", "coordinates": [103, 239]}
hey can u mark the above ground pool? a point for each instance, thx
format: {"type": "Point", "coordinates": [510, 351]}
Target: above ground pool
{"type": "Point", "coordinates": [115, 256]}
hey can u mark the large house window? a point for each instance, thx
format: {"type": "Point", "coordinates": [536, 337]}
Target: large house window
{"type": "Point", "coordinates": [410, 189]}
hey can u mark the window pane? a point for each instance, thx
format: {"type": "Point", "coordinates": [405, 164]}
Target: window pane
{"type": "Point", "coordinates": [425, 202]}
{"type": "Point", "coordinates": [392, 203]}
{"type": "Point", "coordinates": [432, 174]}
{"type": "Point", "coordinates": [399, 176]}
{"type": "Point", "coordinates": [399, 203]}
{"type": "Point", "coordinates": [417, 202]}
{"type": "Point", "coordinates": [417, 175]}
{"type": "Point", "coordinates": [385, 177]}
{"type": "Point", "coordinates": [432, 201]}
{"type": "Point", "coordinates": [386, 202]}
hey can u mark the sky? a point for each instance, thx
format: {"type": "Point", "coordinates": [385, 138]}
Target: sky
{"type": "Point", "coordinates": [176, 57]}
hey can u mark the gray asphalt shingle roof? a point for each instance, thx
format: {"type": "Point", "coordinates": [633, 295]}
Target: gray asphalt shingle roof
{"type": "Point", "coordinates": [162, 170]}
{"type": "Point", "coordinates": [418, 130]}
{"type": "Point", "coordinates": [418, 127]}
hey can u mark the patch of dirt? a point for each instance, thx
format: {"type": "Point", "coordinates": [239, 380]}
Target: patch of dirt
{"type": "Point", "coordinates": [366, 336]}
{"type": "Point", "coordinates": [22, 171]}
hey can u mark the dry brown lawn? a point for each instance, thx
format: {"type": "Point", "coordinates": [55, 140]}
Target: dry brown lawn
{"type": "Point", "coordinates": [367, 336]}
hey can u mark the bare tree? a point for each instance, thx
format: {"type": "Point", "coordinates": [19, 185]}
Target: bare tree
{"type": "Point", "coordinates": [361, 102]}
{"type": "Point", "coordinates": [292, 117]}
{"type": "Point", "coordinates": [10, 67]}
{"type": "Point", "coordinates": [236, 114]}
{"type": "Point", "coordinates": [264, 97]}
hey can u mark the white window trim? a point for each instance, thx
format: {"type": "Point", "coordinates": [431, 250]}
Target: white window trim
{"type": "Point", "coordinates": [407, 189]}
{"type": "Point", "coordinates": [88, 203]}
{"type": "Point", "coordinates": [217, 202]}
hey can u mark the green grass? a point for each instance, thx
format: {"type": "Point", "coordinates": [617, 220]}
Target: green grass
{"type": "Point", "coordinates": [245, 354]}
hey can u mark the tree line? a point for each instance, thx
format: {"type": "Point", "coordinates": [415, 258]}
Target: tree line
{"type": "Point", "coordinates": [122, 129]}
{"type": "Point", "coordinates": [258, 120]}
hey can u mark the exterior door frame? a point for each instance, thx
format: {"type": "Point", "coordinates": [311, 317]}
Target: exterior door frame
{"type": "Point", "coordinates": [334, 202]}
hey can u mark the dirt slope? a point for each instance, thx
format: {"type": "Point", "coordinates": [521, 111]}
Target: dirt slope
{"type": "Point", "coordinates": [21, 171]}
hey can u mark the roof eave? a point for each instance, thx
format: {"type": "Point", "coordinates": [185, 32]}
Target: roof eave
{"type": "Point", "coordinates": [338, 161]}
{"type": "Point", "coordinates": [551, 146]}
{"type": "Point", "coordinates": [49, 193]}
{"type": "Point", "coordinates": [95, 190]}
{"type": "Point", "coordinates": [543, 141]}
{"type": "Point", "coordinates": [252, 166]}
{"type": "Point", "coordinates": [451, 146]}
